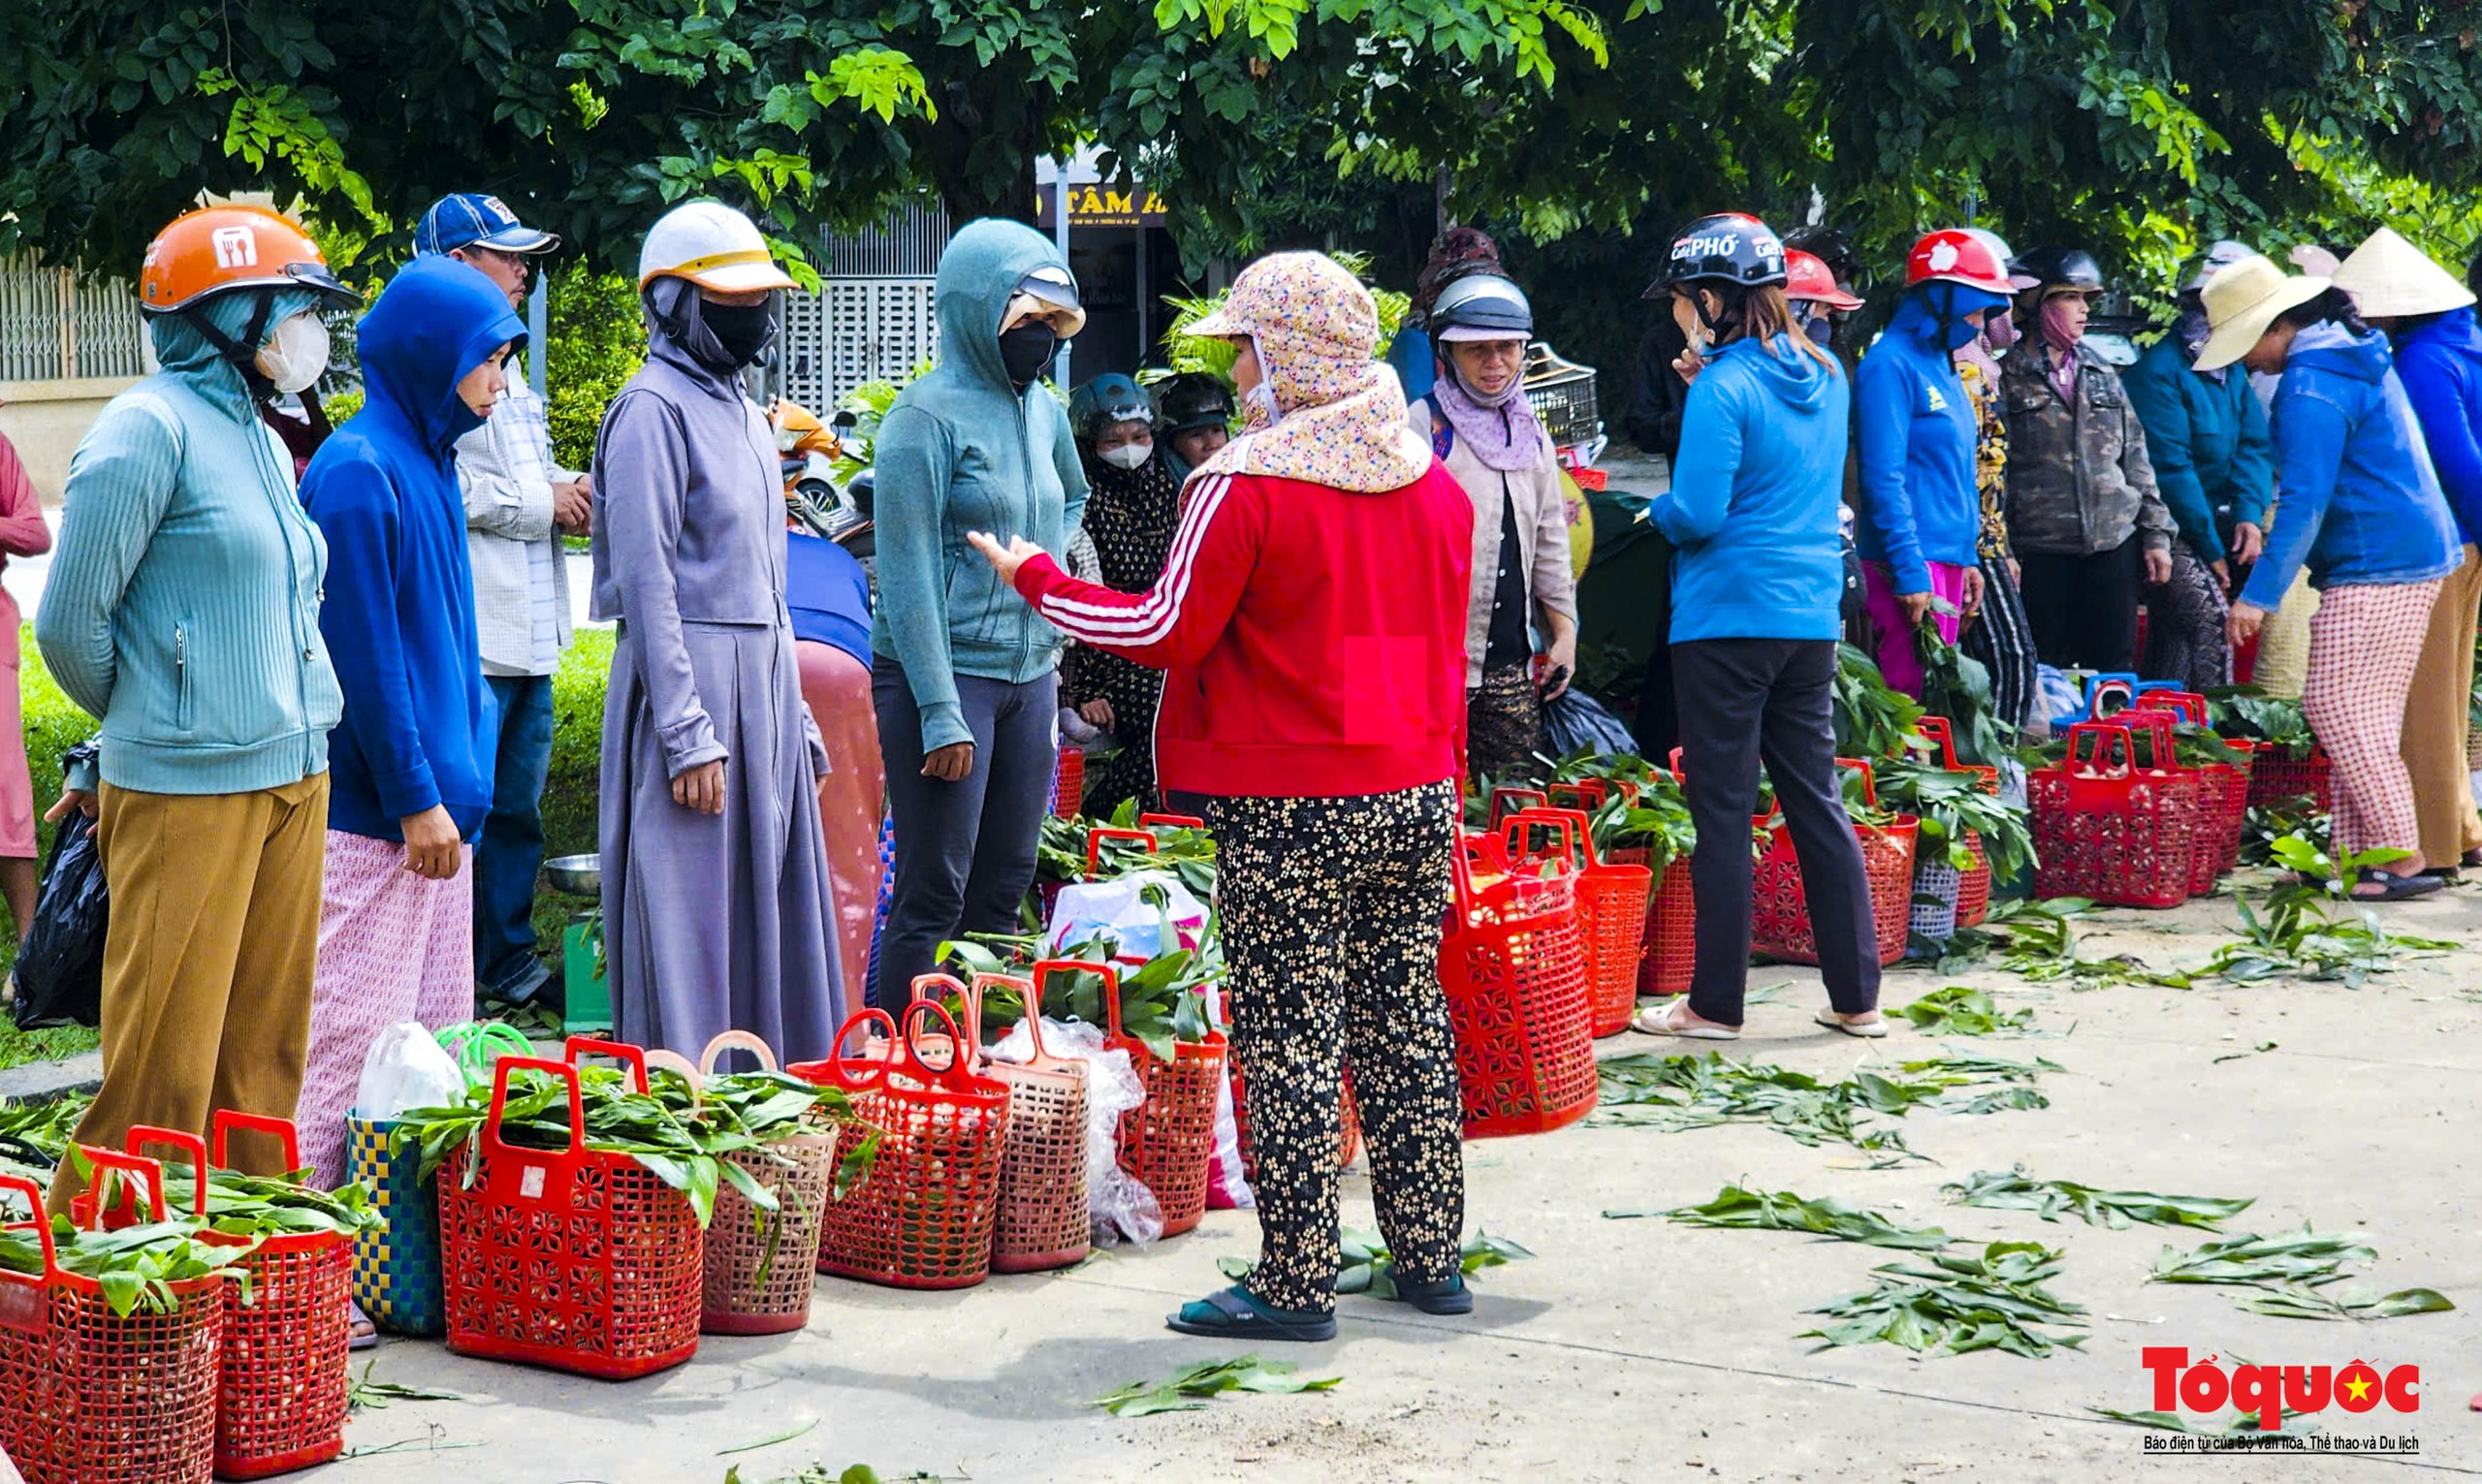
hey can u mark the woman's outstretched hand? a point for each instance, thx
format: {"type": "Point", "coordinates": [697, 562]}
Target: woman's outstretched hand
{"type": "Point", "coordinates": [1004, 560]}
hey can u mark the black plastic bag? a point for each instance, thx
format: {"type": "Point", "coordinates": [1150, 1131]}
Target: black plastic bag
{"type": "Point", "coordinates": [1578, 722]}
{"type": "Point", "coordinates": [60, 961]}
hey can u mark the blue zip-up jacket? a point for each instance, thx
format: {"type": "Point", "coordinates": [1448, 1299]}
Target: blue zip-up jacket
{"type": "Point", "coordinates": [2440, 363]}
{"type": "Point", "coordinates": [1752, 512]}
{"type": "Point", "coordinates": [181, 609]}
{"type": "Point", "coordinates": [2359, 504]}
{"type": "Point", "coordinates": [962, 451]}
{"type": "Point", "coordinates": [1918, 501]}
{"type": "Point", "coordinates": [400, 614]}
{"type": "Point", "coordinates": [2207, 437]}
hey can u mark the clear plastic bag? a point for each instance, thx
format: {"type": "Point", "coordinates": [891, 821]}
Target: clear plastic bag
{"type": "Point", "coordinates": [1121, 1206]}
{"type": "Point", "coordinates": [406, 1069]}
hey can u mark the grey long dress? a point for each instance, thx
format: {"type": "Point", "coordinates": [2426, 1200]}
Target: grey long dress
{"type": "Point", "coordinates": [712, 922]}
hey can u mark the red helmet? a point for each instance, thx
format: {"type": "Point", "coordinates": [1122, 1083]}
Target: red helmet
{"type": "Point", "coordinates": [1806, 277]}
{"type": "Point", "coordinates": [1955, 255]}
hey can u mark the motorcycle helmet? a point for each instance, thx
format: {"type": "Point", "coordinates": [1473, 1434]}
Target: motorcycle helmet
{"type": "Point", "coordinates": [1733, 247]}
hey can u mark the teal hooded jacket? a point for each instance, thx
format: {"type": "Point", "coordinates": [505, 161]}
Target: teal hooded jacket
{"type": "Point", "coordinates": [181, 609]}
{"type": "Point", "coordinates": [962, 451]}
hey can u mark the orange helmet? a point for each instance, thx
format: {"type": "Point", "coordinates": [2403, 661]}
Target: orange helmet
{"type": "Point", "coordinates": [1807, 276]}
{"type": "Point", "coordinates": [218, 249]}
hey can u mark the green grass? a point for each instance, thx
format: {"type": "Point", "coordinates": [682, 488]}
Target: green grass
{"type": "Point", "coordinates": [19, 1047]}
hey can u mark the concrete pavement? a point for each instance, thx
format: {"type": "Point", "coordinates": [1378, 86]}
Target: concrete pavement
{"type": "Point", "coordinates": [1634, 1350]}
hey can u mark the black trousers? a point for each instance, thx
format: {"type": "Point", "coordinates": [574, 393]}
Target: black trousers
{"type": "Point", "coordinates": [2082, 610]}
{"type": "Point", "coordinates": [965, 851]}
{"type": "Point", "coordinates": [1331, 912]}
{"type": "Point", "coordinates": [1744, 702]}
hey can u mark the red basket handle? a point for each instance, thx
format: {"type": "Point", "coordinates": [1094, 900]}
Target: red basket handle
{"type": "Point", "coordinates": [959, 1073]}
{"type": "Point", "coordinates": [142, 1137]}
{"type": "Point", "coordinates": [1585, 794]}
{"type": "Point", "coordinates": [1095, 844]}
{"type": "Point", "coordinates": [927, 989]}
{"type": "Point", "coordinates": [734, 1040]}
{"type": "Point", "coordinates": [42, 1227]}
{"type": "Point", "coordinates": [282, 1130]}
{"type": "Point", "coordinates": [1677, 777]}
{"type": "Point", "coordinates": [1577, 842]}
{"type": "Point", "coordinates": [1026, 996]}
{"type": "Point", "coordinates": [149, 1173]}
{"type": "Point", "coordinates": [1869, 784]}
{"type": "Point", "coordinates": [850, 1074]}
{"type": "Point", "coordinates": [2100, 733]}
{"type": "Point", "coordinates": [2187, 705]}
{"type": "Point", "coordinates": [1937, 729]}
{"type": "Point", "coordinates": [629, 1055]}
{"type": "Point", "coordinates": [1508, 800]}
{"type": "Point", "coordinates": [1112, 984]}
{"type": "Point", "coordinates": [2157, 727]}
{"type": "Point", "coordinates": [567, 1072]}
{"type": "Point", "coordinates": [1170, 821]}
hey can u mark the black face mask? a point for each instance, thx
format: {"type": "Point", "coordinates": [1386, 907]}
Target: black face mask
{"type": "Point", "coordinates": [1025, 351]}
{"type": "Point", "coordinates": [743, 330]}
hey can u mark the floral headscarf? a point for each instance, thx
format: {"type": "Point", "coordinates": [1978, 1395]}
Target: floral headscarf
{"type": "Point", "coordinates": [1339, 415]}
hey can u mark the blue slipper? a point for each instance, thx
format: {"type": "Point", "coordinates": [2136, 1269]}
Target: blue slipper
{"type": "Point", "coordinates": [1236, 1312]}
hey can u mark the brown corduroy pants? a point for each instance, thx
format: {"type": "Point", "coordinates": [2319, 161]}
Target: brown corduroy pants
{"type": "Point", "coordinates": [209, 962]}
{"type": "Point", "coordinates": [2437, 717]}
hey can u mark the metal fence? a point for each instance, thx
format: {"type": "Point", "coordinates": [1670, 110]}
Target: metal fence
{"type": "Point", "coordinates": [872, 319]}
{"type": "Point", "coordinates": [54, 327]}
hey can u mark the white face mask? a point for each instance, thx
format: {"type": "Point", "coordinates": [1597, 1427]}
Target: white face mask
{"type": "Point", "coordinates": [297, 355]}
{"type": "Point", "coordinates": [1128, 456]}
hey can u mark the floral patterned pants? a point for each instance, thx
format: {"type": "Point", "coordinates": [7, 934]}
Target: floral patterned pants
{"type": "Point", "coordinates": [1331, 912]}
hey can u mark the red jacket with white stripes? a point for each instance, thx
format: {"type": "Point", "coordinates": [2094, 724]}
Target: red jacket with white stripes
{"type": "Point", "coordinates": [1315, 638]}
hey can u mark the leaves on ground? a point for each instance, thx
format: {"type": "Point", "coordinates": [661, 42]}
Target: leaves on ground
{"type": "Point", "coordinates": [367, 1394]}
{"type": "Point", "coordinates": [1787, 1210]}
{"type": "Point", "coordinates": [1685, 1091]}
{"type": "Point", "coordinates": [1961, 1302]}
{"type": "Point", "coordinates": [1962, 1010]}
{"type": "Point", "coordinates": [1189, 1389]}
{"type": "Point", "coordinates": [2016, 1190]}
{"type": "Point", "coordinates": [2293, 1273]}
{"type": "Point", "coordinates": [2309, 926]}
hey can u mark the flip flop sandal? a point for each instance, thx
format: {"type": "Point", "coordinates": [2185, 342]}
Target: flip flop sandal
{"type": "Point", "coordinates": [1236, 1313]}
{"type": "Point", "coordinates": [1658, 1021]}
{"type": "Point", "coordinates": [366, 1335]}
{"type": "Point", "coordinates": [1868, 1031]}
{"type": "Point", "coordinates": [1449, 1296]}
{"type": "Point", "coordinates": [2395, 888]}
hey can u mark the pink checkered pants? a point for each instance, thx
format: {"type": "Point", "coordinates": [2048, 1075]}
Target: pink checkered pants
{"type": "Point", "coordinates": [391, 947]}
{"type": "Point", "coordinates": [2363, 646]}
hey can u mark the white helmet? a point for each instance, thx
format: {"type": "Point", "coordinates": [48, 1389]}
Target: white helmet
{"type": "Point", "coordinates": [711, 245]}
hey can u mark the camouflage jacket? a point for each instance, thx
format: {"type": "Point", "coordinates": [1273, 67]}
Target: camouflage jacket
{"type": "Point", "coordinates": [2079, 480]}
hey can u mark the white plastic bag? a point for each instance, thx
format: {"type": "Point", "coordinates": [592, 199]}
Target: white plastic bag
{"type": "Point", "coordinates": [406, 1069]}
{"type": "Point", "coordinates": [1117, 1203]}
{"type": "Point", "coordinates": [1228, 1184]}
{"type": "Point", "coordinates": [1117, 908]}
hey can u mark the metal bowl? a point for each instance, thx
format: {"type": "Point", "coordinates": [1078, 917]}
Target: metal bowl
{"type": "Point", "coordinates": [579, 875]}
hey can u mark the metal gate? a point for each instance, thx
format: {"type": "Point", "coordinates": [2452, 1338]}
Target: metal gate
{"type": "Point", "coordinates": [853, 331]}
{"type": "Point", "coordinates": [52, 327]}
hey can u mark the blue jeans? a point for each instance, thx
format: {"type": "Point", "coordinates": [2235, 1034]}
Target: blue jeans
{"type": "Point", "coordinates": [510, 851]}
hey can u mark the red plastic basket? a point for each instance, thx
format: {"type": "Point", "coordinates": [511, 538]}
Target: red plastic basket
{"type": "Point", "coordinates": [1611, 909]}
{"type": "Point", "coordinates": [1166, 1140]}
{"type": "Point", "coordinates": [1672, 932]}
{"type": "Point", "coordinates": [2274, 776]}
{"type": "Point", "coordinates": [2110, 828]}
{"type": "Point", "coordinates": [1513, 970]}
{"type": "Point", "coordinates": [1068, 784]}
{"type": "Point", "coordinates": [1973, 884]}
{"type": "Point", "coordinates": [283, 1381]}
{"type": "Point", "coordinates": [1045, 1220]}
{"type": "Point", "coordinates": [89, 1397]}
{"type": "Point", "coordinates": [1780, 911]}
{"type": "Point", "coordinates": [923, 1216]}
{"type": "Point", "coordinates": [567, 1258]}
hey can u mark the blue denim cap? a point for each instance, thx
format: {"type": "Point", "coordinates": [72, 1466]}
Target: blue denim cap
{"type": "Point", "coordinates": [470, 219]}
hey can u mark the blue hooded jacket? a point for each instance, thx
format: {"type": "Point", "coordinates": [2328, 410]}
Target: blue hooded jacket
{"type": "Point", "coordinates": [2439, 361]}
{"type": "Point", "coordinates": [2207, 437]}
{"type": "Point", "coordinates": [1918, 499]}
{"type": "Point", "coordinates": [400, 610]}
{"type": "Point", "coordinates": [962, 451]}
{"type": "Point", "coordinates": [2359, 503]}
{"type": "Point", "coordinates": [1753, 505]}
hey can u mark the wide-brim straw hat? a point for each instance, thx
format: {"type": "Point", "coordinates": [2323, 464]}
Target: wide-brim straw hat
{"type": "Point", "coordinates": [2391, 279]}
{"type": "Point", "coordinates": [2243, 299]}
